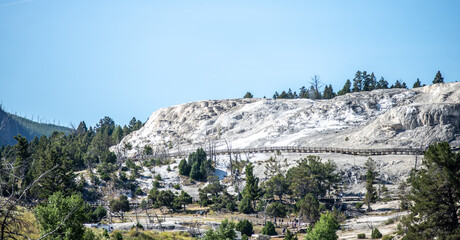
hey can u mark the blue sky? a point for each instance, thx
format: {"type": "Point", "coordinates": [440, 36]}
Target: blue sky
{"type": "Point", "coordinates": [70, 61]}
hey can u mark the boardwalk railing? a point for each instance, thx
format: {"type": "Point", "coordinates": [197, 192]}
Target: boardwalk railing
{"type": "Point", "coordinates": [351, 151]}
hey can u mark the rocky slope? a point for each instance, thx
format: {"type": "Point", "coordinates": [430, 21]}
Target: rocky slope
{"type": "Point", "coordinates": [380, 118]}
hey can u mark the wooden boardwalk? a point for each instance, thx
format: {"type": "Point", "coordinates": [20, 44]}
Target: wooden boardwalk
{"type": "Point", "coordinates": [350, 151]}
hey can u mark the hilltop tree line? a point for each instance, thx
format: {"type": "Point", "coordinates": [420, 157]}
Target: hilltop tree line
{"type": "Point", "coordinates": [363, 81]}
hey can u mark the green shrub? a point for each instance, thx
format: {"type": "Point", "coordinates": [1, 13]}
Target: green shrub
{"type": "Point", "coordinates": [387, 237]}
{"type": "Point", "coordinates": [117, 236]}
{"type": "Point", "coordinates": [105, 176]}
{"type": "Point", "coordinates": [156, 184]}
{"type": "Point", "coordinates": [290, 236]}
{"type": "Point", "coordinates": [324, 229]}
{"type": "Point", "coordinates": [139, 191]}
{"type": "Point", "coordinates": [376, 234]}
{"type": "Point", "coordinates": [361, 236]}
{"type": "Point", "coordinates": [245, 227]}
{"type": "Point", "coordinates": [177, 186]}
{"type": "Point", "coordinates": [158, 177]}
{"type": "Point", "coordinates": [132, 177]}
{"type": "Point", "coordinates": [231, 206]}
{"type": "Point", "coordinates": [98, 214]}
{"type": "Point", "coordinates": [269, 229]}
{"type": "Point", "coordinates": [359, 205]}
{"type": "Point", "coordinates": [123, 176]}
{"type": "Point", "coordinates": [390, 221]}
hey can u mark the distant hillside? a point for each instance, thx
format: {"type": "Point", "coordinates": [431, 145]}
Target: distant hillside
{"type": "Point", "coordinates": [12, 125]}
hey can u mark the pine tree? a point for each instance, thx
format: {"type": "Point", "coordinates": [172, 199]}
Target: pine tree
{"type": "Point", "coordinates": [195, 171]}
{"type": "Point", "coordinates": [22, 163]}
{"type": "Point", "coordinates": [438, 78]}
{"type": "Point", "coordinates": [371, 193]}
{"type": "Point", "coordinates": [184, 168]}
{"type": "Point", "coordinates": [328, 92]}
{"type": "Point", "coordinates": [57, 208]}
{"type": "Point", "coordinates": [303, 92]}
{"type": "Point", "coordinates": [248, 95]}
{"type": "Point", "coordinates": [417, 84]}
{"type": "Point", "coordinates": [357, 82]}
{"type": "Point", "coordinates": [324, 229]}
{"type": "Point", "coordinates": [346, 88]}
{"type": "Point", "coordinates": [367, 84]}
{"type": "Point", "coordinates": [81, 129]}
{"type": "Point", "coordinates": [399, 84]}
{"type": "Point", "coordinates": [309, 208]}
{"type": "Point", "coordinates": [382, 83]}
{"type": "Point", "coordinates": [435, 196]}
{"type": "Point", "coordinates": [373, 82]}
{"type": "Point", "coordinates": [251, 190]}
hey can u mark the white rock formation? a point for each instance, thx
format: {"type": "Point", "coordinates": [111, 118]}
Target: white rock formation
{"type": "Point", "coordinates": [380, 118]}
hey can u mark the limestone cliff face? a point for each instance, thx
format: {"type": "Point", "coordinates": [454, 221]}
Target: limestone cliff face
{"type": "Point", "coordinates": [432, 116]}
{"type": "Point", "coordinates": [380, 118]}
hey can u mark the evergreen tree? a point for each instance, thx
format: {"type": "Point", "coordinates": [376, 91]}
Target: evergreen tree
{"type": "Point", "coordinates": [134, 125]}
{"type": "Point", "coordinates": [303, 92]}
{"type": "Point", "coordinates": [183, 199]}
{"type": "Point", "coordinates": [53, 155]}
{"type": "Point", "coordinates": [311, 175]}
{"type": "Point", "coordinates": [117, 135]}
{"type": "Point", "coordinates": [276, 209]}
{"type": "Point", "coordinates": [438, 78]}
{"type": "Point", "coordinates": [248, 95]}
{"type": "Point", "coordinates": [245, 227]}
{"type": "Point", "coordinates": [417, 84]}
{"type": "Point", "coordinates": [269, 229]}
{"type": "Point", "coordinates": [346, 88]}
{"type": "Point", "coordinates": [120, 205]}
{"type": "Point", "coordinates": [328, 92]}
{"type": "Point", "coordinates": [290, 236]}
{"type": "Point", "coordinates": [358, 82]}
{"type": "Point", "coordinates": [373, 81]}
{"type": "Point", "coordinates": [184, 168]}
{"type": "Point", "coordinates": [399, 84]}
{"type": "Point", "coordinates": [81, 129]}
{"type": "Point", "coordinates": [225, 231]}
{"type": "Point", "coordinates": [309, 208]}
{"type": "Point", "coordinates": [435, 196]}
{"type": "Point", "coordinates": [371, 193]}
{"type": "Point", "coordinates": [382, 84]}
{"type": "Point", "coordinates": [195, 171]}
{"type": "Point", "coordinates": [59, 208]}
{"type": "Point", "coordinates": [367, 84]}
{"type": "Point", "coordinates": [283, 95]}
{"type": "Point", "coordinates": [245, 206]}
{"type": "Point", "coordinates": [251, 190]}
{"type": "Point", "coordinates": [324, 229]}
{"type": "Point", "coordinates": [22, 163]}
{"type": "Point", "coordinates": [276, 186]}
